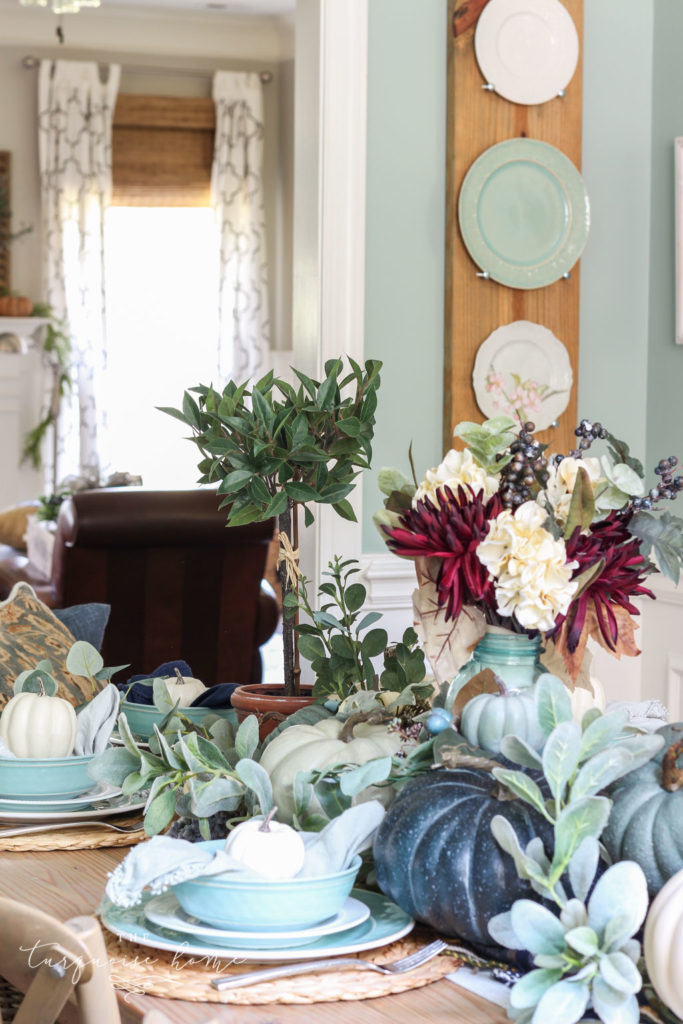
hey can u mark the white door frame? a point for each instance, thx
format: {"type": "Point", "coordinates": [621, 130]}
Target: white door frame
{"type": "Point", "coordinates": [341, 205]}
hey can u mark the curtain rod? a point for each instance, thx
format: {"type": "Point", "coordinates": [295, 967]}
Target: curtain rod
{"type": "Point", "coordinates": [266, 76]}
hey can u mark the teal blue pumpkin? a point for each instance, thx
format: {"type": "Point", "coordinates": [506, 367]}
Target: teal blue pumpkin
{"type": "Point", "coordinates": [646, 821]}
{"type": "Point", "coordinates": [436, 857]}
{"type": "Point", "coordinates": [488, 717]}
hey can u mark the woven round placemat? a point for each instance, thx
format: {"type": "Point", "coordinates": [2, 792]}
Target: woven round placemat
{"type": "Point", "coordinates": [156, 972]}
{"type": "Point", "coordinates": [90, 838]}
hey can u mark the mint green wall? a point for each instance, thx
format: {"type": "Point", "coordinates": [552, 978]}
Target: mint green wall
{"type": "Point", "coordinates": [405, 233]}
{"type": "Point", "coordinates": [617, 105]}
{"type": "Point", "coordinates": [406, 220]}
{"type": "Point", "coordinates": [665, 368]}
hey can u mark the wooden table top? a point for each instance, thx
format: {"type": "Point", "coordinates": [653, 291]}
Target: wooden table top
{"type": "Point", "coordinates": [70, 883]}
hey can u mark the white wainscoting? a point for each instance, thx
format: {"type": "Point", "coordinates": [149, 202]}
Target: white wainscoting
{"type": "Point", "coordinates": [656, 674]}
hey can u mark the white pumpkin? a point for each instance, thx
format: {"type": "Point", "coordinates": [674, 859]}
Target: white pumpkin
{"type": "Point", "coordinates": [664, 943]}
{"type": "Point", "coordinates": [185, 689]}
{"type": "Point", "coordinates": [583, 699]}
{"type": "Point", "coordinates": [38, 725]}
{"type": "Point", "coordinates": [268, 847]}
{"type": "Point", "coordinates": [311, 747]}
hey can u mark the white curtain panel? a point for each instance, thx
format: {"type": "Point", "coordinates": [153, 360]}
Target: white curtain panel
{"type": "Point", "coordinates": [75, 110]}
{"type": "Point", "coordinates": [237, 200]}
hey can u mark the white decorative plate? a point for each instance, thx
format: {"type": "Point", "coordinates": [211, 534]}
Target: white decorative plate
{"type": "Point", "coordinates": [526, 49]}
{"type": "Point", "coordinates": [164, 910]}
{"type": "Point", "coordinates": [386, 924]}
{"type": "Point", "coordinates": [522, 370]}
{"type": "Point", "coordinates": [105, 808]}
{"type": "Point", "coordinates": [102, 791]}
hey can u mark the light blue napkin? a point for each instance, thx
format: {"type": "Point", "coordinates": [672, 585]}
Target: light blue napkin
{"type": "Point", "coordinates": [5, 750]}
{"type": "Point", "coordinates": [96, 721]}
{"type": "Point", "coordinates": [163, 862]}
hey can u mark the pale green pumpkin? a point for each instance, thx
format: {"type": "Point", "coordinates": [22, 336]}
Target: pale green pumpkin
{"type": "Point", "coordinates": [312, 747]}
{"type": "Point", "coordinates": [488, 717]}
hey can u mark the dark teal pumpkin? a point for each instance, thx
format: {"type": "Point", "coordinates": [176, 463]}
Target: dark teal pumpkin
{"type": "Point", "coordinates": [436, 857]}
{"type": "Point", "coordinates": [646, 821]}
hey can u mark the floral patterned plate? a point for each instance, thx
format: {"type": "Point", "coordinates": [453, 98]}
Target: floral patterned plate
{"type": "Point", "coordinates": [522, 370]}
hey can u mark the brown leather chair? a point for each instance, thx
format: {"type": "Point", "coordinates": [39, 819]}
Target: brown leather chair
{"type": "Point", "coordinates": [180, 583]}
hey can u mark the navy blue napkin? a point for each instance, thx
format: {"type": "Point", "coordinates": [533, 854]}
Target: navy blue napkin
{"type": "Point", "coordinates": [141, 692]}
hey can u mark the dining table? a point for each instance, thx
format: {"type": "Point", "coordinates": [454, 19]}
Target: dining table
{"type": "Point", "coordinates": [70, 883]}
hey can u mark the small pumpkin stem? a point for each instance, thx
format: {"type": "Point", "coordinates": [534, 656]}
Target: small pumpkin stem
{"type": "Point", "coordinates": [265, 824]}
{"type": "Point", "coordinates": [378, 717]}
{"type": "Point", "coordinates": [179, 675]}
{"type": "Point", "coordinates": [500, 683]}
{"type": "Point", "coordinates": [672, 775]}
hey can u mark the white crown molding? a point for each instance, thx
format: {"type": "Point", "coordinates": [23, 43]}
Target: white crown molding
{"type": "Point", "coordinates": [390, 581]}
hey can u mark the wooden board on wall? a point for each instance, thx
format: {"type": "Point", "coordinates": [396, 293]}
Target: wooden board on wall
{"type": "Point", "coordinates": [478, 119]}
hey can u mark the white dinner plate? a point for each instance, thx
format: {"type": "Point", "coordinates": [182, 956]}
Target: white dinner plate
{"type": "Point", "coordinates": [522, 370]}
{"type": "Point", "coordinates": [164, 910]}
{"type": "Point", "coordinates": [386, 924]}
{"type": "Point", "coordinates": [102, 791]}
{"type": "Point", "coordinates": [526, 49]}
{"type": "Point", "coordinates": [104, 808]}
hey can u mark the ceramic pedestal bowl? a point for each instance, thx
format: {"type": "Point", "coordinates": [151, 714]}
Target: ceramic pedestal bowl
{"type": "Point", "coordinates": [253, 904]}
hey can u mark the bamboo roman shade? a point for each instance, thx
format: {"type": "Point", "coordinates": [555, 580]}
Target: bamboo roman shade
{"type": "Point", "coordinates": [162, 150]}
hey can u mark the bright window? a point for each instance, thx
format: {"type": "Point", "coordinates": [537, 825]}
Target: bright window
{"type": "Point", "coordinates": [162, 331]}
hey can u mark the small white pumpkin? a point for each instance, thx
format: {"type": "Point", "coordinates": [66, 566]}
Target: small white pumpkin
{"type": "Point", "coordinates": [268, 847]}
{"type": "Point", "coordinates": [584, 699]}
{"type": "Point", "coordinates": [664, 943]}
{"type": "Point", "coordinates": [38, 725]}
{"type": "Point", "coordinates": [185, 689]}
{"type": "Point", "coordinates": [311, 747]}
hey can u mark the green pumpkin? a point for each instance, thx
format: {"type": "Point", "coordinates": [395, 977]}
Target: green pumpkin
{"type": "Point", "coordinates": [490, 716]}
{"type": "Point", "coordinates": [436, 857]}
{"type": "Point", "coordinates": [646, 821]}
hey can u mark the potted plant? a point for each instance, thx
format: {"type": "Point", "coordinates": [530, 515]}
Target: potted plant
{"type": "Point", "coordinates": [275, 449]}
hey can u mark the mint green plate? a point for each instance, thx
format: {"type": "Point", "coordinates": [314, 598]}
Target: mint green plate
{"type": "Point", "coordinates": [386, 924]}
{"type": "Point", "coordinates": [524, 213]}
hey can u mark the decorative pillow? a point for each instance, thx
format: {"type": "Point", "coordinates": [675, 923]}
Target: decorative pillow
{"type": "Point", "coordinates": [13, 523]}
{"type": "Point", "coordinates": [30, 632]}
{"type": "Point", "coordinates": [85, 621]}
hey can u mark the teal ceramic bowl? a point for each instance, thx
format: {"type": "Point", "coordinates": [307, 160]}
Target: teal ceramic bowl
{"type": "Point", "coordinates": [25, 778]}
{"type": "Point", "coordinates": [254, 904]}
{"type": "Point", "coordinates": [143, 717]}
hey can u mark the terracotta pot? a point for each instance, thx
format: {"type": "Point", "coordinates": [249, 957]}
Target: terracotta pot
{"type": "Point", "coordinates": [269, 703]}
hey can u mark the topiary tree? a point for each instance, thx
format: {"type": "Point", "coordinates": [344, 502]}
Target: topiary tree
{"type": "Point", "coordinates": [274, 448]}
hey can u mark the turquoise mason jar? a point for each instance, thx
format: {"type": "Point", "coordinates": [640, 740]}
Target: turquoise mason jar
{"type": "Point", "coordinates": [512, 656]}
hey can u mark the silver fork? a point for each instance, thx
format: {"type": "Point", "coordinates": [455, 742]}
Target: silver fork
{"type": "Point", "coordinates": [54, 826]}
{"type": "Point", "coordinates": [406, 963]}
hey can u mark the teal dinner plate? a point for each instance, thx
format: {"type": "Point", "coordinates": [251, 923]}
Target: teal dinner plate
{"type": "Point", "coordinates": [386, 924]}
{"type": "Point", "coordinates": [100, 791]}
{"type": "Point", "coordinates": [524, 213]}
{"type": "Point", "coordinates": [142, 718]}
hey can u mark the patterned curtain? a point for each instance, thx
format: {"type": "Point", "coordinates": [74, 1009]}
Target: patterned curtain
{"type": "Point", "coordinates": [237, 199]}
{"type": "Point", "coordinates": [75, 112]}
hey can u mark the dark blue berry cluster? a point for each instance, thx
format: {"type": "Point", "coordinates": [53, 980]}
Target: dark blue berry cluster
{"type": "Point", "coordinates": [666, 489]}
{"type": "Point", "coordinates": [527, 469]}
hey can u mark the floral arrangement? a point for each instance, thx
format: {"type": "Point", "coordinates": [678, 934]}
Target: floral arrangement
{"type": "Point", "coordinates": [550, 545]}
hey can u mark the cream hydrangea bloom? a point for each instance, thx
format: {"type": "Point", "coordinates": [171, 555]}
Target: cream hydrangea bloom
{"type": "Point", "coordinates": [562, 479]}
{"type": "Point", "coordinates": [457, 468]}
{"type": "Point", "coordinates": [531, 573]}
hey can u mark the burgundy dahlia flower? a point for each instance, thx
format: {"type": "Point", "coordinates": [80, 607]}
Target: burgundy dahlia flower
{"type": "Point", "coordinates": [620, 579]}
{"type": "Point", "coordinates": [451, 531]}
